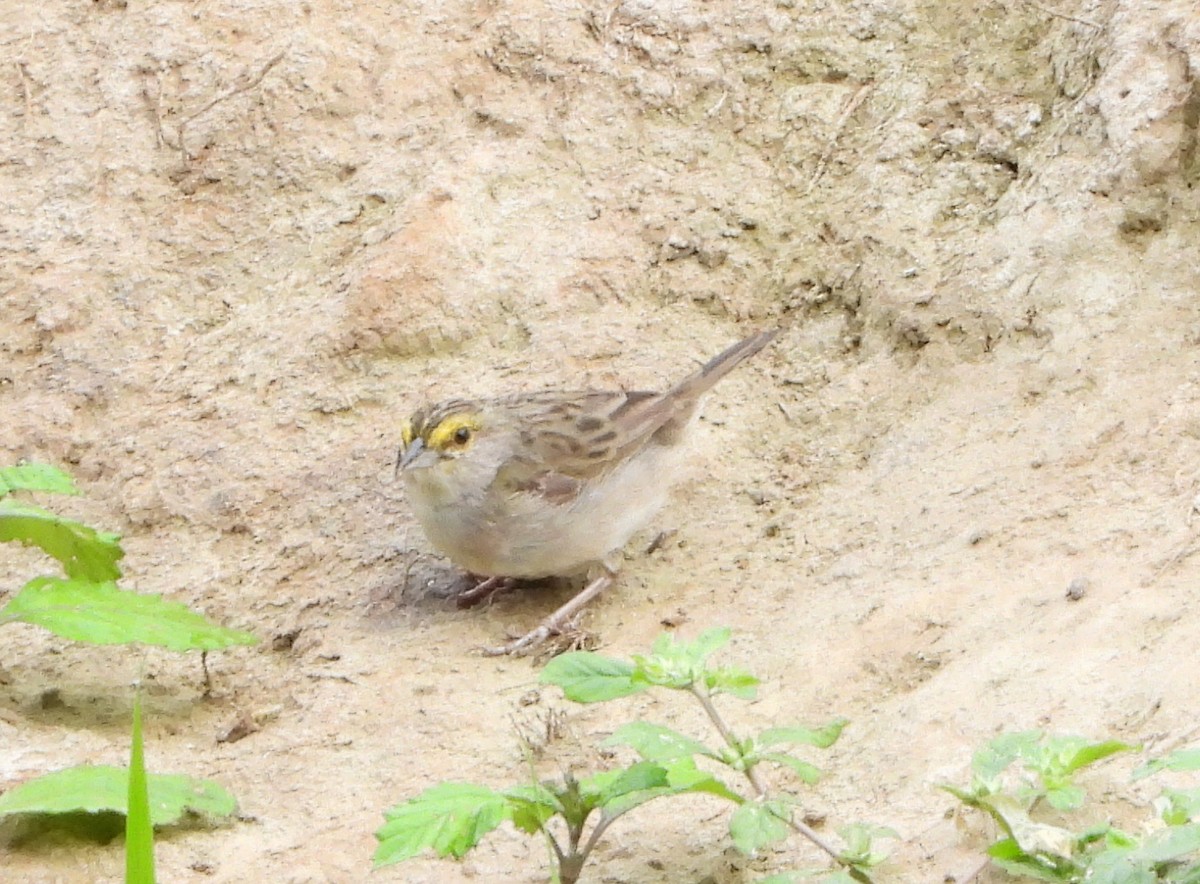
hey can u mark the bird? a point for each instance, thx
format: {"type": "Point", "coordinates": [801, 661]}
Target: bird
{"type": "Point", "coordinates": [551, 483]}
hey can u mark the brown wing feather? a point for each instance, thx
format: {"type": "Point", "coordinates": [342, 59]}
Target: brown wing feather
{"type": "Point", "coordinates": [572, 437]}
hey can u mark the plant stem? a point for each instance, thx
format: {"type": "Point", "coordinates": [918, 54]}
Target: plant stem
{"type": "Point", "coordinates": [700, 691]}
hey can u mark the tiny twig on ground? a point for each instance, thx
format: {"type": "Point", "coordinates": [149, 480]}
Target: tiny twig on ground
{"type": "Point", "coordinates": [244, 86]}
{"type": "Point", "coordinates": [1056, 14]}
{"type": "Point", "coordinates": [851, 106]}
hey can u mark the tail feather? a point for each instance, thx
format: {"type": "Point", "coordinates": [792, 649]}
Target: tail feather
{"type": "Point", "coordinates": [665, 416]}
{"type": "Point", "coordinates": [722, 364]}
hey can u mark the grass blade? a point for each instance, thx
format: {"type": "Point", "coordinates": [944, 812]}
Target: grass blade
{"type": "Point", "coordinates": [139, 830]}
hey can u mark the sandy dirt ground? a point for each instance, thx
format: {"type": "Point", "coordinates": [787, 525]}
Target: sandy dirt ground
{"type": "Point", "coordinates": [242, 240]}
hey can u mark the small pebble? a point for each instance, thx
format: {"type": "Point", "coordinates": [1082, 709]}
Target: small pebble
{"type": "Point", "coordinates": [978, 536]}
{"type": "Point", "coordinates": [1077, 588]}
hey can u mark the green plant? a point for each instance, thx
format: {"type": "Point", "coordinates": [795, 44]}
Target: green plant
{"type": "Point", "coordinates": [1016, 776]}
{"type": "Point", "coordinates": [139, 827]}
{"type": "Point", "coordinates": [573, 814]}
{"type": "Point", "coordinates": [87, 605]}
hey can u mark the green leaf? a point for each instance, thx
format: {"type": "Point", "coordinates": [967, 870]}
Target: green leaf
{"type": "Point", "coordinates": [758, 824]}
{"type": "Point", "coordinates": [822, 737]}
{"type": "Point", "coordinates": [139, 831]}
{"type": "Point", "coordinates": [617, 792]}
{"type": "Point", "coordinates": [97, 788]}
{"type": "Point", "coordinates": [706, 644]}
{"type": "Point", "coordinates": [678, 664]}
{"type": "Point", "coordinates": [657, 743]}
{"type": "Point", "coordinates": [103, 614]}
{"type": "Point", "coordinates": [1178, 806]}
{"type": "Point", "coordinates": [84, 552]}
{"type": "Point", "coordinates": [35, 477]}
{"type": "Point", "coordinates": [531, 805]}
{"type": "Point", "coordinates": [1179, 760]}
{"type": "Point", "coordinates": [590, 678]}
{"type": "Point", "coordinates": [684, 776]}
{"type": "Point", "coordinates": [860, 838]}
{"type": "Point", "coordinates": [733, 681]}
{"type": "Point", "coordinates": [1169, 844]}
{"type": "Point", "coordinates": [1090, 753]}
{"type": "Point", "coordinates": [608, 788]}
{"type": "Point", "coordinates": [991, 760]}
{"type": "Point", "coordinates": [808, 773]}
{"type": "Point", "coordinates": [1119, 867]}
{"type": "Point", "coordinates": [1032, 837]}
{"type": "Point", "coordinates": [1008, 855]}
{"type": "Point", "coordinates": [449, 818]}
{"type": "Point", "coordinates": [1067, 797]}
{"type": "Point", "coordinates": [969, 797]}
{"type": "Point", "coordinates": [622, 798]}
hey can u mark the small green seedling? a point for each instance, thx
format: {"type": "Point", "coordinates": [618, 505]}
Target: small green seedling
{"type": "Point", "coordinates": [573, 814]}
{"type": "Point", "coordinates": [1015, 774]}
{"type": "Point", "coordinates": [139, 825]}
{"type": "Point", "coordinates": [87, 605]}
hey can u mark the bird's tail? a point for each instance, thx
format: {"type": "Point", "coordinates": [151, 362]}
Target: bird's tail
{"type": "Point", "coordinates": [720, 365]}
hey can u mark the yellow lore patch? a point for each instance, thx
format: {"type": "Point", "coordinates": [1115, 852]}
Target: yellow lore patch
{"type": "Point", "coordinates": [454, 433]}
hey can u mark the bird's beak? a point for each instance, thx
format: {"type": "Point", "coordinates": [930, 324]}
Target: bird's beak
{"type": "Point", "coordinates": [405, 456]}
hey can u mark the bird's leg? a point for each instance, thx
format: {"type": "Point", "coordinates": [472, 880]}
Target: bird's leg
{"type": "Point", "coordinates": [554, 624]}
{"type": "Point", "coordinates": [486, 589]}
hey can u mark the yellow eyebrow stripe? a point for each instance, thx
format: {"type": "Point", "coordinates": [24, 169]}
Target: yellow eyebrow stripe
{"type": "Point", "coordinates": [441, 437]}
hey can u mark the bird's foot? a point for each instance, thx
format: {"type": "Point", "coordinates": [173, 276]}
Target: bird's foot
{"type": "Point", "coordinates": [484, 591]}
{"type": "Point", "coordinates": [559, 623]}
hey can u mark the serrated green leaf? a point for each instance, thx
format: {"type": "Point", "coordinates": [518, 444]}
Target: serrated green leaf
{"type": "Point", "coordinates": [102, 613]}
{"type": "Point", "coordinates": [449, 818]}
{"type": "Point", "coordinates": [36, 477]}
{"type": "Point", "coordinates": [1179, 760]}
{"type": "Point", "coordinates": [758, 824]}
{"type": "Point", "coordinates": [808, 773]}
{"type": "Point", "coordinates": [97, 788]}
{"type": "Point", "coordinates": [586, 677]}
{"type": "Point", "coordinates": [822, 737]}
{"type": "Point", "coordinates": [139, 830]}
{"type": "Point", "coordinates": [84, 552]}
{"type": "Point", "coordinates": [656, 743]}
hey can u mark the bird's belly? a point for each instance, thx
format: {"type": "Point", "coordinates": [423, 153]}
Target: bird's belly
{"type": "Point", "coordinates": [527, 536]}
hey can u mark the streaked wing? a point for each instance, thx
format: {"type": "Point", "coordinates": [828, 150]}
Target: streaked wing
{"type": "Point", "coordinates": [569, 438]}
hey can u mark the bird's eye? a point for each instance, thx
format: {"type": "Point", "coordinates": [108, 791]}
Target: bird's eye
{"type": "Point", "coordinates": [462, 435]}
